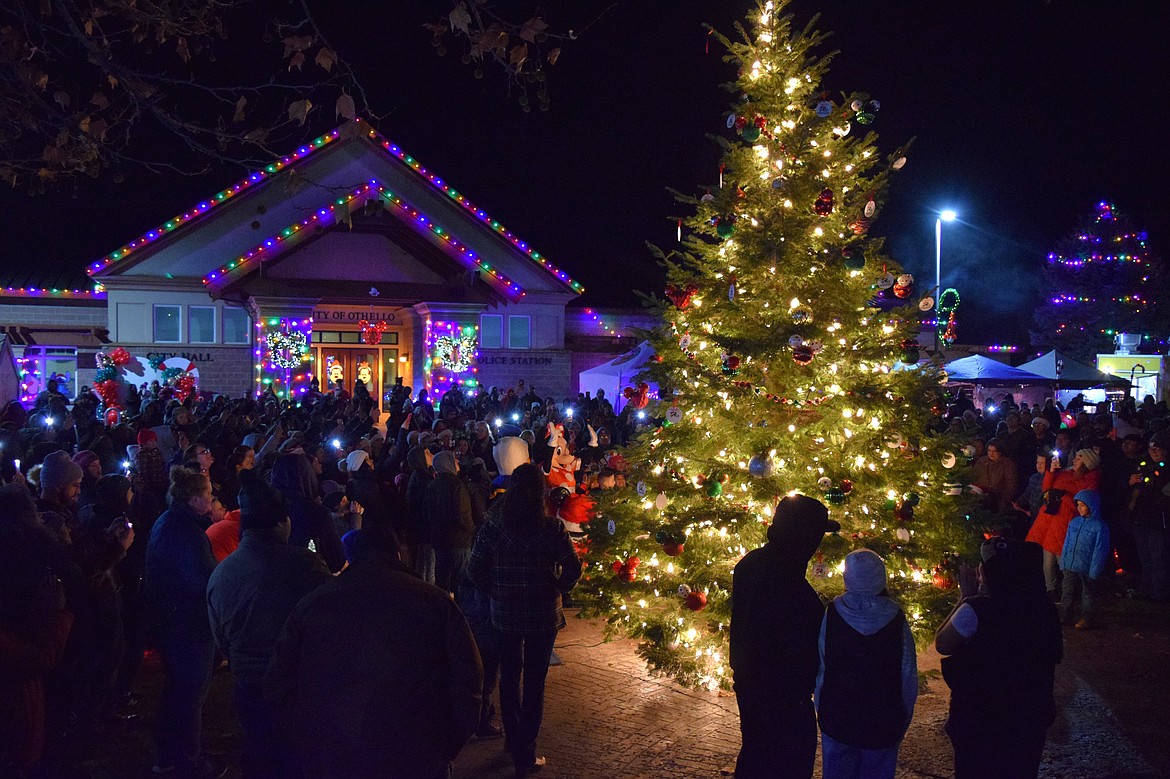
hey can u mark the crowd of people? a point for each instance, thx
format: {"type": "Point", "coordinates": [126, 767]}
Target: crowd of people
{"type": "Point", "coordinates": [213, 530]}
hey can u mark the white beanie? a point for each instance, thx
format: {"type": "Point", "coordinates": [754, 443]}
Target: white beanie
{"type": "Point", "coordinates": [865, 573]}
{"type": "Point", "coordinates": [1090, 458]}
{"type": "Point", "coordinates": [355, 459]}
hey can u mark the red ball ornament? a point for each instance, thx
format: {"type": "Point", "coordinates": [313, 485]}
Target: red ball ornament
{"type": "Point", "coordinates": [120, 356]}
{"type": "Point", "coordinates": [824, 204]}
{"type": "Point", "coordinates": [673, 549]}
{"type": "Point", "coordinates": [696, 601]}
{"type": "Point", "coordinates": [846, 486]}
{"type": "Point", "coordinates": [943, 581]}
{"type": "Point", "coordinates": [802, 354]}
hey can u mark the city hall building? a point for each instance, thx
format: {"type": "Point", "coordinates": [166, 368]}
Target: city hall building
{"type": "Point", "coordinates": [345, 260]}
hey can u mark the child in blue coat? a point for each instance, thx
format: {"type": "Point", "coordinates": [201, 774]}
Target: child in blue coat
{"type": "Point", "coordinates": [1084, 559]}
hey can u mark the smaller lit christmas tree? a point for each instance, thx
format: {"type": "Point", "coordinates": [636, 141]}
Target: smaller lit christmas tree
{"type": "Point", "coordinates": [1100, 281]}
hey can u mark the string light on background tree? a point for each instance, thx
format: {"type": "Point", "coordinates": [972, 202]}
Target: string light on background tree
{"type": "Point", "coordinates": [784, 324]}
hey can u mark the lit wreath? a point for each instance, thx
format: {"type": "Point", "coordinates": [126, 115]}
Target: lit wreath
{"type": "Point", "coordinates": [454, 352]}
{"type": "Point", "coordinates": [286, 350]}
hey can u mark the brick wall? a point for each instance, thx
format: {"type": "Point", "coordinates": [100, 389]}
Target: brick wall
{"type": "Point", "coordinates": [60, 314]}
{"type": "Point", "coordinates": [222, 369]}
{"type": "Point", "coordinates": [550, 371]}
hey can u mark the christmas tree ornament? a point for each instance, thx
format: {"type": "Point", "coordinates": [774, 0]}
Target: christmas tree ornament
{"type": "Point", "coordinates": [864, 117]}
{"type": "Point", "coordinates": [895, 440]}
{"type": "Point", "coordinates": [684, 343]}
{"type": "Point", "coordinates": [674, 415]}
{"type": "Point", "coordinates": [824, 203]}
{"type": "Point", "coordinates": [627, 571]}
{"type": "Point", "coordinates": [725, 226]}
{"type": "Point", "coordinates": [911, 499]}
{"type": "Point", "coordinates": [854, 260]}
{"type": "Point", "coordinates": [673, 548]}
{"type": "Point", "coordinates": [751, 133]}
{"type": "Point", "coordinates": [857, 105]}
{"type": "Point", "coordinates": [824, 108]}
{"type": "Point", "coordinates": [696, 600]}
{"type": "Point", "coordinates": [899, 163]}
{"type": "Point", "coordinates": [824, 483]}
{"type": "Point", "coordinates": [885, 281]}
{"type": "Point", "coordinates": [860, 226]}
{"type": "Point", "coordinates": [847, 486]}
{"type": "Point", "coordinates": [661, 501]}
{"type": "Point", "coordinates": [760, 466]}
{"type": "Point", "coordinates": [910, 355]}
{"type": "Point", "coordinates": [732, 119]}
{"type": "Point", "coordinates": [684, 590]}
{"type": "Point", "coordinates": [707, 197]}
{"type": "Point", "coordinates": [902, 534]}
{"type": "Point", "coordinates": [795, 341]}
{"type": "Point", "coordinates": [802, 354]}
{"type": "Point", "coordinates": [874, 106]}
{"type": "Point", "coordinates": [640, 488]}
{"type": "Point", "coordinates": [801, 315]}
{"type": "Point", "coordinates": [731, 289]}
{"type": "Point", "coordinates": [835, 495]}
{"type": "Point", "coordinates": [949, 460]}
{"type": "Point", "coordinates": [714, 488]}
{"type": "Point", "coordinates": [904, 286]}
{"type": "Point", "coordinates": [729, 364]}
{"type": "Point", "coordinates": [870, 208]}
{"type": "Point", "coordinates": [681, 296]}
{"type": "Point", "coordinates": [611, 527]}
{"type": "Point", "coordinates": [778, 183]}
{"type": "Point", "coordinates": [926, 304]}
{"type": "Point", "coordinates": [903, 511]}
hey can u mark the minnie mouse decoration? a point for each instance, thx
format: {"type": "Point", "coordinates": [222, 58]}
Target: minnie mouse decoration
{"type": "Point", "coordinates": [639, 397]}
{"type": "Point", "coordinates": [372, 332]}
{"type": "Point", "coordinates": [681, 296]}
{"type": "Point", "coordinates": [626, 571]}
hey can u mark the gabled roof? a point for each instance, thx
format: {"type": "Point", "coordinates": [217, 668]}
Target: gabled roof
{"type": "Point", "coordinates": [332, 209]}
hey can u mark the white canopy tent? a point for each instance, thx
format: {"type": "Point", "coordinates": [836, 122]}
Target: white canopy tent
{"type": "Point", "coordinates": [617, 374]}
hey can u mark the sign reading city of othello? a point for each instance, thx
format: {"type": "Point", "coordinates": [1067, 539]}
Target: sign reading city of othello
{"type": "Point", "coordinates": [352, 315]}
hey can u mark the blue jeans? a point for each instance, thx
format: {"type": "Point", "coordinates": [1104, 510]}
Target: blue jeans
{"type": "Point", "coordinates": [449, 567]}
{"type": "Point", "coordinates": [841, 761]}
{"type": "Point", "coordinates": [187, 665]}
{"type": "Point", "coordinates": [527, 654]}
{"type": "Point", "coordinates": [1078, 585]}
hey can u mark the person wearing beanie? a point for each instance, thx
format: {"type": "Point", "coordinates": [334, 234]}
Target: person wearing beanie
{"type": "Point", "coordinates": [449, 522]}
{"type": "Point", "coordinates": [150, 467]}
{"type": "Point", "coordinates": [60, 485]}
{"type": "Point", "coordinates": [249, 597]}
{"type": "Point", "coordinates": [775, 619]}
{"type": "Point", "coordinates": [1000, 648]}
{"type": "Point", "coordinates": [1051, 524]}
{"type": "Point", "coordinates": [868, 679]}
{"type": "Point", "coordinates": [91, 471]}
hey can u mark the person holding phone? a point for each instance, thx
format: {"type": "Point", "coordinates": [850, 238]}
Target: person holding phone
{"type": "Point", "coordinates": [1051, 525]}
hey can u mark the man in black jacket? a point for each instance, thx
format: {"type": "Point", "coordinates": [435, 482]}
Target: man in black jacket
{"type": "Point", "coordinates": [775, 621]}
{"type": "Point", "coordinates": [376, 673]}
{"type": "Point", "coordinates": [249, 597]}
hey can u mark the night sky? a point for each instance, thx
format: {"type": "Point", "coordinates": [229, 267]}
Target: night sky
{"type": "Point", "coordinates": [1025, 115]}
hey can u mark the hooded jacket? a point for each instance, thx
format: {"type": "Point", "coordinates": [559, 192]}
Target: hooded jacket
{"type": "Point", "coordinates": [776, 615]}
{"type": "Point", "coordinates": [448, 507]}
{"type": "Point", "coordinates": [1086, 545]}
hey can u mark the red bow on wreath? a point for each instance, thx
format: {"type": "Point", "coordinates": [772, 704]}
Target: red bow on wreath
{"type": "Point", "coordinates": [372, 333]}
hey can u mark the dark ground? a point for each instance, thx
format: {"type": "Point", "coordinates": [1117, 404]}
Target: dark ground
{"type": "Point", "coordinates": [605, 717]}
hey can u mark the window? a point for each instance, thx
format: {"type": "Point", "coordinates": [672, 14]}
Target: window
{"type": "Point", "coordinates": [519, 332]}
{"type": "Point", "coordinates": [201, 324]}
{"type": "Point", "coordinates": [491, 331]}
{"type": "Point", "coordinates": [235, 326]}
{"type": "Point", "coordinates": [167, 328]}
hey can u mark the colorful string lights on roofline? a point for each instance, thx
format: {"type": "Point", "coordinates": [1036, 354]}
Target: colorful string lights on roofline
{"type": "Point", "coordinates": [207, 205]}
{"type": "Point", "coordinates": [597, 318]}
{"type": "Point", "coordinates": [299, 155]}
{"type": "Point", "coordinates": [1002, 348]}
{"type": "Point", "coordinates": [356, 199]}
{"type": "Point", "coordinates": [39, 292]}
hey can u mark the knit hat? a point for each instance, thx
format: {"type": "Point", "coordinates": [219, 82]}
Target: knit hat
{"type": "Point", "coordinates": [262, 507]}
{"type": "Point", "coordinates": [1090, 458]}
{"type": "Point", "coordinates": [355, 459]}
{"type": "Point", "coordinates": [445, 462]}
{"type": "Point", "coordinates": [1161, 439]}
{"type": "Point", "coordinates": [84, 458]}
{"type": "Point", "coordinates": [58, 470]}
{"type": "Point", "coordinates": [865, 573]}
{"type": "Point", "coordinates": [146, 435]}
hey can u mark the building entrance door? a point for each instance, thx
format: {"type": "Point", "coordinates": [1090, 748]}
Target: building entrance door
{"type": "Point", "coordinates": [375, 367]}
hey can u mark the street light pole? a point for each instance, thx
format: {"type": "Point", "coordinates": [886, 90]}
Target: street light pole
{"type": "Point", "coordinates": [946, 215]}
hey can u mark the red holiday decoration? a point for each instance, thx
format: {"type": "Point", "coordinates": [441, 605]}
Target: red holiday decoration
{"type": "Point", "coordinates": [673, 549]}
{"type": "Point", "coordinates": [696, 601]}
{"type": "Point", "coordinates": [120, 356]}
{"type": "Point", "coordinates": [627, 571]}
{"type": "Point", "coordinates": [681, 296]}
{"type": "Point", "coordinates": [108, 391]}
{"type": "Point", "coordinates": [184, 386]}
{"type": "Point", "coordinates": [860, 226]}
{"type": "Point", "coordinates": [113, 416]}
{"type": "Point", "coordinates": [639, 397]}
{"type": "Point", "coordinates": [802, 354]}
{"type": "Point", "coordinates": [372, 332]}
{"type": "Point", "coordinates": [824, 204]}
{"type": "Point", "coordinates": [943, 580]}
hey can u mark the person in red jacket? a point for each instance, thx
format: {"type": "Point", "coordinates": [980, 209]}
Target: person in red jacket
{"type": "Point", "coordinates": [1051, 525]}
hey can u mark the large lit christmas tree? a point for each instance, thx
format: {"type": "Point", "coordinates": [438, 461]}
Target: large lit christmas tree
{"type": "Point", "coordinates": [787, 362]}
{"type": "Point", "coordinates": [1101, 280]}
